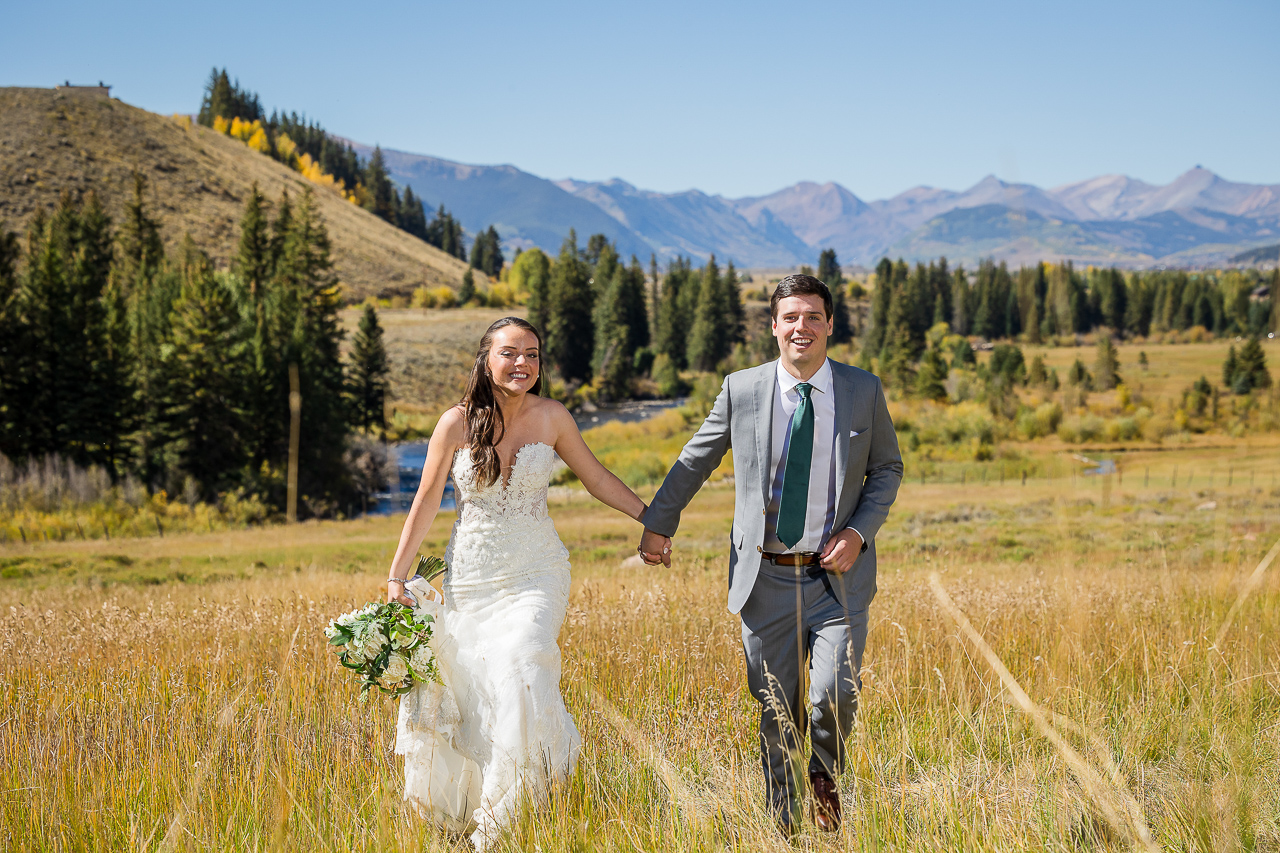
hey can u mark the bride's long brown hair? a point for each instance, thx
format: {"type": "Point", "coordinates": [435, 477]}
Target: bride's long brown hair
{"type": "Point", "coordinates": [485, 427]}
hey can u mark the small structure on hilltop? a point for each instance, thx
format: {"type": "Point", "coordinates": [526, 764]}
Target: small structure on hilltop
{"type": "Point", "coordinates": [101, 89]}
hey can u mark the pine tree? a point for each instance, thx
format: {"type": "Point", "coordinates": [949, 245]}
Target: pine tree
{"type": "Point", "coordinates": [931, 379]}
{"type": "Point", "coordinates": [1251, 368]}
{"type": "Point", "coordinates": [1079, 376]}
{"type": "Point", "coordinates": [467, 290]}
{"type": "Point", "coordinates": [308, 317]}
{"type": "Point", "coordinates": [445, 233]}
{"type": "Point", "coordinates": [413, 218]}
{"type": "Point", "coordinates": [733, 306]}
{"type": "Point", "coordinates": [203, 416]}
{"type": "Point", "coordinates": [606, 315]}
{"type": "Point", "coordinates": [1229, 367]}
{"type": "Point", "coordinates": [493, 259]}
{"type": "Point", "coordinates": [830, 274]}
{"type": "Point", "coordinates": [1106, 365]}
{"type": "Point", "coordinates": [253, 261]}
{"type": "Point", "coordinates": [673, 320]}
{"type": "Point", "coordinates": [634, 314]}
{"type": "Point", "coordinates": [877, 336]}
{"type": "Point", "coordinates": [222, 98]}
{"type": "Point", "coordinates": [960, 296]}
{"type": "Point", "coordinates": [381, 198]}
{"type": "Point", "coordinates": [72, 381]}
{"type": "Point", "coordinates": [709, 336]}
{"type": "Point", "coordinates": [596, 244]}
{"type": "Point", "coordinates": [368, 373]}
{"type": "Point", "coordinates": [140, 250]}
{"type": "Point", "coordinates": [655, 296]}
{"type": "Point", "coordinates": [13, 347]}
{"type": "Point", "coordinates": [570, 335]}
{"type": "Point", "coordinates": [612, 360]}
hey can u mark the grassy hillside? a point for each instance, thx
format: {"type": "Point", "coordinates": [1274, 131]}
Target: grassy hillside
{"type": "Point", "coordinates": [198, 181]}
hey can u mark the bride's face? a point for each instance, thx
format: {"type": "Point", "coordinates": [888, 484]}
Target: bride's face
{"type": "Point", "coordinates": [514, 360]}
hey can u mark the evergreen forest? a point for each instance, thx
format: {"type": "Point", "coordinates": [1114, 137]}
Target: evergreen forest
{"type": "Point", "coordinates": [163, 371]}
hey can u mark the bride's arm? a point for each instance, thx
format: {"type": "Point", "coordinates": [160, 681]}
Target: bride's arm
{"type": "Point", "coordinates": [603, 485]}
{"type": "Point", "coordinates": [445, 440]}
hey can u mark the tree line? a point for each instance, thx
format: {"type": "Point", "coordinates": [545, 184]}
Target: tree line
{"type": "Point", "coordinates": [607, 322]}
{"type": "Point", "coordinates": [158, 366]}
{"type": "Point", "coordinates": [1045, 301]}
{"type": "Point", "coordinates": [288, 138]}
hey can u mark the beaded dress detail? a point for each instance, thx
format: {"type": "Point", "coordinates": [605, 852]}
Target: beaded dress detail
{"type": "Point", "coordinates": [497, 732]}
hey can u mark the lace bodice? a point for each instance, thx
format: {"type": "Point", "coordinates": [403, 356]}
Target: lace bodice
{"type": "Point", "coordinates": [523, 497]}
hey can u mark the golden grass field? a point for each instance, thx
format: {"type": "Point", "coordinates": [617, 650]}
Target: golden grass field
{"type": "Point", "coordinates": [177, 693]}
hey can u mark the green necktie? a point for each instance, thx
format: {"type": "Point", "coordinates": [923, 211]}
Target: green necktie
{"type": "Point", "coordinates": [795, 478]}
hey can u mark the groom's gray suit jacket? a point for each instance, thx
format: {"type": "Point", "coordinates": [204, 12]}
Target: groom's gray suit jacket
{"type": "Point", "coordinates": [868, 471]}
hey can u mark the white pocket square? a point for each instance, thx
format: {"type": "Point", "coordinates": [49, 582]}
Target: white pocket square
{"type": "Point", "coordinates": [852, 433]}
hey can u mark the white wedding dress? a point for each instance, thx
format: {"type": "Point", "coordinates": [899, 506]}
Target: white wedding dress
{"type": "Point", "coordinates": [496, 733]}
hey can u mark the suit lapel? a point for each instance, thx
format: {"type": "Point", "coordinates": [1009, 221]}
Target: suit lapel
{"type": "Point", "coordinates": [765, 386]}
{"type": "Point", "coordinates": [844, 389]}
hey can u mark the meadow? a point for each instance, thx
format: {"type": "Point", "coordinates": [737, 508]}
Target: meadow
{"type": "Point", "coordinates": [177, 693]}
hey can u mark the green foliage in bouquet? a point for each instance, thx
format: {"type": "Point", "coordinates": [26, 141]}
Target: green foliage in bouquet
{"type": "Point", "coordinates": [387, 645]}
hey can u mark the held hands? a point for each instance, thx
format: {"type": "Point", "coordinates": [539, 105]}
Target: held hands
{"type": "Point", "coordinates": [655, 548]}
{"type": "Point", "coordinates": [841, 551]}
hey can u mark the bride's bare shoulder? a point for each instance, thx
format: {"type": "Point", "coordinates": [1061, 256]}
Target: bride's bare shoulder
{"type": "Point", "coordinates": [452, 426]}
{"type": "Point", "coordinates": [553, 411]}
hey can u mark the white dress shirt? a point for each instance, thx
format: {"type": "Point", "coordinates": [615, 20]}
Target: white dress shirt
{"type": "Point", "coordinates": [821, 508]}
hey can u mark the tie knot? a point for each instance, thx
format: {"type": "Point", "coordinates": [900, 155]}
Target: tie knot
{"type": "Point", "coordinates": [804, 388]}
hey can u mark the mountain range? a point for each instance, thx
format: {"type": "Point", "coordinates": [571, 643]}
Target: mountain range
{"type": "Point", "coordinates": [1198, 219]}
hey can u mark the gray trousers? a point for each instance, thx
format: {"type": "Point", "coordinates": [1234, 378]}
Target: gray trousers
{"type": "Point", "coordinates": [793, 625]}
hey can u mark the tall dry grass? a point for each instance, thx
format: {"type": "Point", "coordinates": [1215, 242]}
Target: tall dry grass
{"type": "Point", "coordinates": [210, 716]}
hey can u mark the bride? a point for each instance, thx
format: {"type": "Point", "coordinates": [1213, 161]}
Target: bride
{"type": "Point", "coordinates": [496, 732]}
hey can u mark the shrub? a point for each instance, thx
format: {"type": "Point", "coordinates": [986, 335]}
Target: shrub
{"type": "Point", "coordinates": [1078, 429]}
{"type": "Point", "coordinates": [1043, 420]}
{"type": "Point", "coordinates": [668, 378]}
{"type": "Point", "coordinates": [1156, 428]}
{"type": "Point", "coordinates": [445, 297]}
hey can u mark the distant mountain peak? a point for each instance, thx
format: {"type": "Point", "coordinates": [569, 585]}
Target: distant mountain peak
{"type": "Point", "coordinates": [1108, 218]}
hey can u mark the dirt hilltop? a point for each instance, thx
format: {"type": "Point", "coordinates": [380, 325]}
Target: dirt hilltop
{"type": "Point", "coordinates": [198, 181]}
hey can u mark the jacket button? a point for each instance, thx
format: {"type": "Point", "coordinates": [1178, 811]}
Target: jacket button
{"type": "Point", "coordinates": [759, 549]}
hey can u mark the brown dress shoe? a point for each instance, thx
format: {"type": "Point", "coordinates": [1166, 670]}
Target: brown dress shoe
{"type": "Point", "coordinates": [826, 802]}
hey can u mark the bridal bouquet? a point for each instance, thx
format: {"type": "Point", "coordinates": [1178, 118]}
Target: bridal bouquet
{"type": "Point", "coordinates": [387, 644]}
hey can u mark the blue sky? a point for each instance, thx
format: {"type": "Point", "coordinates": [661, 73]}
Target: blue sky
{"type": "Point", "coordinates": [736, 98]}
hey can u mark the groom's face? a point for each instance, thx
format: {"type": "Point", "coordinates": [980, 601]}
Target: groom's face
{"type": "Point", "coordinates": [802, 328]}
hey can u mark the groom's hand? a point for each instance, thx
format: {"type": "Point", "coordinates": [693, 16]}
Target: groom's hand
{"type": "Point", "coordinates": [655, 548]}
{"type": "Point", "coordinates": [841, 551]}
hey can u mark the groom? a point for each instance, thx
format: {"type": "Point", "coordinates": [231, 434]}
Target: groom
{"type": "Point", "coordinates": [816, 468]}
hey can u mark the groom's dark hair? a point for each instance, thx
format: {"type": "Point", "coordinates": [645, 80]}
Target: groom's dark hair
{"type": "Point", "coordinates": [800, 285]}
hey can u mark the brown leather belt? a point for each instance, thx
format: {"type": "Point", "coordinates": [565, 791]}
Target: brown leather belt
{"type": "Point", "coordinates": [802, 558]}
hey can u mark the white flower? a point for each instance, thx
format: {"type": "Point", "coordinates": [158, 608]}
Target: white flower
{"type": "Point", "coordinates": [397, 667]}
{"type": "Point", "coordinates": [420, 660]}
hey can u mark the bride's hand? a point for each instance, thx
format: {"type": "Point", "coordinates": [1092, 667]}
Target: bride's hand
{"type": "Point", "coordinates": [395, 592]}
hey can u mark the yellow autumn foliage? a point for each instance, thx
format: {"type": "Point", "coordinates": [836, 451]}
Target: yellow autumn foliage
{"type": "Point", "coordinates": [259, 142]}
{"type": "Point", "coordinates": [244, 130]}
{"type": "Point", "coordinates": [184, 121]}
{"type": "Point", "coordinates": [286, 147]}
{"type": "Point", "coordinates": [253, 134]}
